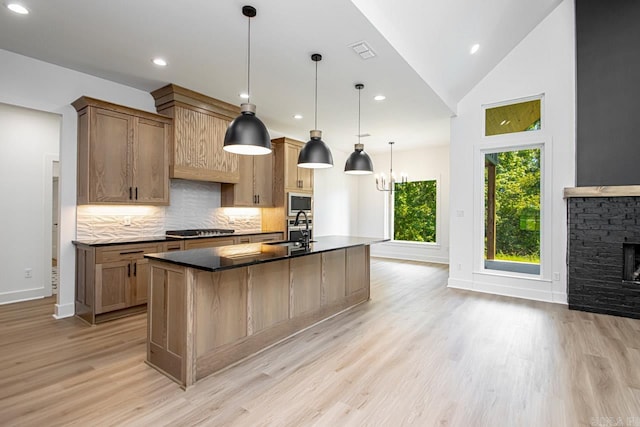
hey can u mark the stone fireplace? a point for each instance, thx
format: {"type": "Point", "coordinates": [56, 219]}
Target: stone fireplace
{"type": "Point", "coordinates": [604, 250]}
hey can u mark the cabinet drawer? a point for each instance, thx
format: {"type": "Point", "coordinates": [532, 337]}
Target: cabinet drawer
{"type": "Point", "coordinates": [272, 237]}
{"type": "Point", "coordinates": [173, 246]}
{"type": "Point", "coordinates": [125, 252]}
{"type": "Point", "coordinates": [209, 243]}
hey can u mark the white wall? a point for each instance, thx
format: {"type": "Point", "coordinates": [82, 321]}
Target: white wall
{"type": "Point", "coordinates": [35, 84]}
{"type": "Point", "coordinates": [544, 62]}
{"type": "Point", "coordinates": [335, 198]}
{"type": "Point", "coordinates": [28, 144]}
{"type": "Point", "coordinates": [421, 164]}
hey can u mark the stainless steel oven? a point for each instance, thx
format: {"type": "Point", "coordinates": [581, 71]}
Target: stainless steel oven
{"type": "Point", "coordinates": [294, 232]}
{"type": "Point", "coordinates": [297, 202]}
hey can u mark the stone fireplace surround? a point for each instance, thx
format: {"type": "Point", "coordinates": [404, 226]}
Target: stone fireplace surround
{"type": "Point", "coordinates": [600, 221]}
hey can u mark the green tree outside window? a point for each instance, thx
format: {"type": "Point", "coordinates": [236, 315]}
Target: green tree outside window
{"type": "Point", "coordinates": [414, 211]}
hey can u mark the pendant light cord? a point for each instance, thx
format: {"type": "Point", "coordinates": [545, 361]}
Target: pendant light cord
{"type": "Point", "coordinates": [249, 63]}
{"type": "Point", "coordinates": [316, 96]}
{"type": "Point", "coordinates": [359, 90]}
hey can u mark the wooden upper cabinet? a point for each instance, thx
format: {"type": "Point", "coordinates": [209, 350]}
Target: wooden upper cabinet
{"type": "Point", "coordinates": [255, 188]}
{"type": "Point", "coordinates": [287, 175]}
{"type": "Point", "coordinates": [123, 154]}
{"type": "Point", "coordinates": [200, 124]}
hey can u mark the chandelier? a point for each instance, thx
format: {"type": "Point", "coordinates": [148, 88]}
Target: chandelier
{"type": "Point", "coordinates": [382, 184]}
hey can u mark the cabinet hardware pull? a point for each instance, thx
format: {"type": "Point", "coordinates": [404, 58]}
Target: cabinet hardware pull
{"type": "Point", "coordinates": [135, 268]}
{"type": "Point", "coordinates": [141, 251]}
{"type": "Point", "coordinates": [128, 270]}
{"type": "Point", "coordinates": [258, 196]}
{"type": "Point", "coordinates": [136, 193]}
{"type": "Point", "coordinates": [130, 193]}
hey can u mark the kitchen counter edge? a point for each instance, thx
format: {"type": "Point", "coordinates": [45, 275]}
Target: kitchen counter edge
{"type": "Point", "coordinates": [210, 259]}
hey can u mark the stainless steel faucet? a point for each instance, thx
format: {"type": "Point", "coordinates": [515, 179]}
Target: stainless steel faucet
{"type": "Point", "coordinates": [305, 233]}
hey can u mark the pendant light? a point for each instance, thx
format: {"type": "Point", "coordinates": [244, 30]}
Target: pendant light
{"type": "Point", "coordinates": [247, 134]}
{"type": "Point", "coordinates": [359, 162]}
{"type": "Point", "coordinates": [315, 154]}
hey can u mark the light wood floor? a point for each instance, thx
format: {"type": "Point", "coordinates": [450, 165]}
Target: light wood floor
{"type": "Point", "coordinates": [416, 354]}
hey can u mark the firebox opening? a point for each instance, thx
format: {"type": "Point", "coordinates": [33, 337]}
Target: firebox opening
{"type": "Point", "coordinates": [631, 266]}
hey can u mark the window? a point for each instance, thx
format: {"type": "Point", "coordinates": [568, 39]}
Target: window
{"type": "Point", "coordinates": [512, 193]}
{"type": "Point", "coordinates": [518, 117]}
{"type": "Point", "coordinates": [414, 211]}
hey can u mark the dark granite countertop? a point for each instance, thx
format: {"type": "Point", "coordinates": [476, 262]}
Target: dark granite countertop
{"type": "Point", "coordinates": [159, 239]}
{"type": "Point", "coordinates": [226, 257]}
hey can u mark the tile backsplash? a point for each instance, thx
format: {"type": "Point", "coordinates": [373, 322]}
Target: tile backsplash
{"type": "Point", "coordinates": [193, 205]}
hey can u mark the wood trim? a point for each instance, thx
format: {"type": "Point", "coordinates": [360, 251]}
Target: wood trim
{"type": "Point", "coordinates": [197, 174]}
{"type": "Point", "coordinates": [85, 101]}
{"type": "Point", "coordinates": [603, 191]}
{"type": "Point", "coordinates": [172, 94]}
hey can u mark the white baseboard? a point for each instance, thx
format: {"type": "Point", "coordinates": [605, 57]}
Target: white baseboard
{"type": "Point", "coordinates": [22, 295]}
{"type": "Point", "coordinates": [509, 291]}
{"type": "Point", "coordinates": [64, 310]}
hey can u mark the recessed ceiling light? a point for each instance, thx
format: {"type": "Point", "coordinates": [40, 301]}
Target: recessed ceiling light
{"type": "Point", "coordinates": [297, 116]}
{"type": "Point", "coordinates": [244, 95]}
{"type": "Point", "coordinates": [379, 97]}
{"type": "Point", "coordinates": [160, 62]}
{"type": "Point", "coordinates": [474, 48]}
{"type": "Point", "coordinates": [18, 8]}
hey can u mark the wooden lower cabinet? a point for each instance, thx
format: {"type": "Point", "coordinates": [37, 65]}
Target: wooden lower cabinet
{"type": "Point", "coordinates": [112, 281]}
{"type": "Point", "coordinates": [200, 322]}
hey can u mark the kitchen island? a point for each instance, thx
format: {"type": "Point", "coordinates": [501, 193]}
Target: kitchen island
{"type": "Point", "coordinates": [210, 308]}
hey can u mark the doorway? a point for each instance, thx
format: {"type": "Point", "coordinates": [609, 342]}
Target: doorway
{"type": "Point", "coordinates": [55, 221]}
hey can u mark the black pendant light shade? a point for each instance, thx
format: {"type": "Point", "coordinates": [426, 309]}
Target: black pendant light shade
{"type": "Point", "coordinates": [247, 134]}
{"type": "Point", "coordinates": [359, 162]}
{"type": "Point", "coordinates": [315, 154]}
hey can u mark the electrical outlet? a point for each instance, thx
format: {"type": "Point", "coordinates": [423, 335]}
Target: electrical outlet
{"type": "Point", "coordinates": [460, 213]}
{"type": "Point", "coordinates": [232, 220]}
{"type": "Point", "coordinates": [28, 273]}
{"type": "Point", "coordinates": [459, 267]}
{"type": "Point", "coordinates": [127, 221]}
{"type": "Point", "coordinates": [556, 276]}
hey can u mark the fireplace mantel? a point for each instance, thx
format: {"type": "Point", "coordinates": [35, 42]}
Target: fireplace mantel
{"type": "Point", "coordinates": [603, 191]}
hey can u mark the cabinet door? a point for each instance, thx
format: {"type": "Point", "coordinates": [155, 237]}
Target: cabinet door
{"type": "Point", "coordinates": [112, 286]}
{"type": "Point", "coordinates": [291, 166]}
{"type": "Point", "coordinates": [150, 162]}
{"type": "Point", "coordinates": [263, 179]}
{"type": "Point", "coordinates": [305, 176]}
{"type": "Point", "coordinates": [243, 194]}
{"type": "Point", "coordinates": [139, 281]}
{"type": "Point", "coordinates": [110, 137]}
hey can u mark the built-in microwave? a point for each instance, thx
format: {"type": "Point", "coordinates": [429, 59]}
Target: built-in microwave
{"type": "Point", "coordinates": [297, 202]}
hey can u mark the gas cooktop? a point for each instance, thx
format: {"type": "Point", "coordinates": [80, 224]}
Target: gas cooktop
{"type": "Point", "coordinates": [199, 232]}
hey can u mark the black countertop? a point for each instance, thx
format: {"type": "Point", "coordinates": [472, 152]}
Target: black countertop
{"type": "Point", "coordinates": [158, 239]}
{"type": "Point", "coordinates": [226, 257]}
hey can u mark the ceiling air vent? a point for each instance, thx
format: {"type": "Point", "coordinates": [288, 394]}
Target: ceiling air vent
{"type": "Point", "coordinates": [363, 49]}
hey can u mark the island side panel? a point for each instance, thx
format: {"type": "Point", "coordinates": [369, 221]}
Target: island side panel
{"type": "Point", "coordinates": [306, 279]}
{"type": "Point", "coordinates": [167, 320]}
{"type": "Point", "coordinates": [358, 270]}
{"type": "Point", "coordinates": [268, 299]}
{"type": "Point", "coordinates": [333, 277]}
{"type": "Point", "coordinates": [221, 309]}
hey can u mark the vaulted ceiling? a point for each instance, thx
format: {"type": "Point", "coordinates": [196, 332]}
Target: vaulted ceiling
{"type": "Point", "coordinates": [422, 63]}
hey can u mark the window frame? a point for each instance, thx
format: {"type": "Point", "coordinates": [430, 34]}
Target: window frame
{"type": "Point", "coordinates": [391, 210]}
